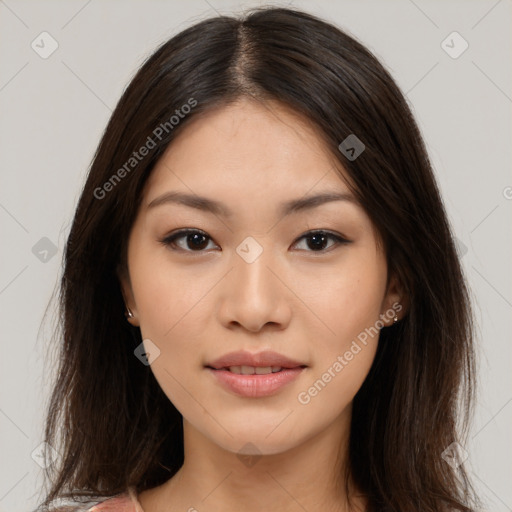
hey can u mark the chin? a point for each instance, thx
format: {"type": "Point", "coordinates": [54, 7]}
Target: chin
{"type": "Point", "coordinates": [257, 446]}
{"type": "Point", "coordinates": [256, 439]}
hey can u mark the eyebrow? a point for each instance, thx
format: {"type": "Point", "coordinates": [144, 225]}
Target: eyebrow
{"type": "Point", "coordinates": [210, 205]}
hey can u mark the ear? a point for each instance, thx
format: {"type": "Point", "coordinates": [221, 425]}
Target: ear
{"type": "Point", "coordinates": [127, 292]}
{"type": "Point", "coordinates": [395, 302]}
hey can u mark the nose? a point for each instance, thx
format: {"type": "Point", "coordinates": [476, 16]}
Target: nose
{"type": "Point", "coordinates": [254, 295]}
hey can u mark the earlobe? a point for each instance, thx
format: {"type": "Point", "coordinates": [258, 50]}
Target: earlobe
{"type": "Point", "coordinates": [394, 304]}
{"type": "Point", "coordinates": [127, 293]}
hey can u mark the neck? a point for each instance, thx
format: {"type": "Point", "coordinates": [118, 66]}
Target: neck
{"type": "Point", "coordinates": [307, 477]}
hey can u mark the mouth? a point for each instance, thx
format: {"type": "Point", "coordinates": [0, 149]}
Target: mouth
{"type": "Point", "coordinates": [254, 375]}
{"type": "Point", "coordinates": [248, 363]}
{"type": "Point", "coordinates": [254, 370]}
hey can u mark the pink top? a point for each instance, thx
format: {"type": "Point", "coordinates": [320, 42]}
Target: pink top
{"type": "Point", "coordinates": [126, 502]}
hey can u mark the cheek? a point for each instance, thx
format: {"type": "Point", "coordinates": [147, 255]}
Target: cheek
{"type": "Point", "coordinates": [173, 310]}
{"type": "Point", "coordinates": [349, 307]}
{"type": "Point", "coordinates": [165, 295]}
{"type": "Point", "coordinates": [333, 385]}
{"type": "Point", "coordinates": [346, 299]}
{"type": "Point", "coordinates": [170, 309]}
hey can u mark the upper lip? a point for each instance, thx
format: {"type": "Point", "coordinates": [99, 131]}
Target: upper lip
{"type": "Point", "coordinates": [260, 359]}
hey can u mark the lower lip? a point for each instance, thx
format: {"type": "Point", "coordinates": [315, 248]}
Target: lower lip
{"type": "Point", "coordinates": [255, 386]}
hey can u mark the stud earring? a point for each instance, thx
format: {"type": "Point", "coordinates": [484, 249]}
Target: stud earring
{"type": "Point", "coordinates": [395, 320]}
{"type": "Point", "coordinates": [128, 313]}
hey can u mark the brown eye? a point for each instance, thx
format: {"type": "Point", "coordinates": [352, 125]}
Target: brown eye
{"type": "Point", "coordinates": [318, 240]}
{"type": "Point", "coordinates": [194, 240]}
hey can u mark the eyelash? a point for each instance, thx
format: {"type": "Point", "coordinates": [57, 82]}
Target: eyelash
{"type": "Point", "coordinates": [169, 241]}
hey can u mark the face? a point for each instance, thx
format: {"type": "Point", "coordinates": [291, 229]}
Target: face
{"type": "Point", "coordinates": [306, 283]}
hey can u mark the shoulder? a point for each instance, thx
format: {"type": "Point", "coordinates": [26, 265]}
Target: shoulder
{"type": "Point", "coordinates": [125, 502]}
{"type": "Point", "coordinates": [120, 503]}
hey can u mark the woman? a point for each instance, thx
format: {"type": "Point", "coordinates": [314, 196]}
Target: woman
{"type": "Point", "coordinates": [298, 332]}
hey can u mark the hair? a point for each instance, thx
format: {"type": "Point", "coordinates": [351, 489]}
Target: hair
{"type": "Point", "coordinates": [107, 415]}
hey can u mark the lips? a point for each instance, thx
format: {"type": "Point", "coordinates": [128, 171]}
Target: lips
{"type": "Point", "coordinates": [266, 359]}
{"type": "Point", "coordinates": [255, 375]}
{"type": "Point", "coordinates": [253, 370]}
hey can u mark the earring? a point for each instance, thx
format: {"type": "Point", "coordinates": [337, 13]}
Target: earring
{"type": "Point", "coordinates": [395, 320]}
{"type": "Point", "coordinates": [128, 313]}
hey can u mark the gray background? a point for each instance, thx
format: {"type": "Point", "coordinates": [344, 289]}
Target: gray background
{"type": "Point", "coordinates": [54, 110]}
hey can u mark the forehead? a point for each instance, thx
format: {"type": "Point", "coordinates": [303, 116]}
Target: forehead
{"type": "Point", "coordinates": [248, 146]}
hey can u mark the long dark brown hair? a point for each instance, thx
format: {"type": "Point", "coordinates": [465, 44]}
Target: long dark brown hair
{"type": "Point", "coordinates": [108, 417]}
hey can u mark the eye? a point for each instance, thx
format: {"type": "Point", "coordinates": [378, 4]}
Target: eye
{"type": "Point", "coordinates": [319, 238]}
{"type": "Point", "coordinates": [195, 240]}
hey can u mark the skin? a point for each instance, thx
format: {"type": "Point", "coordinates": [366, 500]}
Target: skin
{"type": "Point", "coordinates": [306, 303]}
